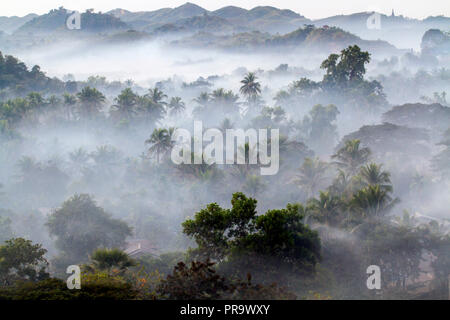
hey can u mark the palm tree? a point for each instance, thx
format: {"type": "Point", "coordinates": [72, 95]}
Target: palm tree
{"type": "Point", "coordinates": [35, 100]}
{"type": "Point", "coordinates": [13, 111]}
{"type": "Point", "coordinates": [225, 100]}
{"type": "Point", "coordinates": [53, 102]}
{"type": "Point", "coordinates": [203, 99]}
{"type": "Point", "coordinates": [418, 182]}
{"type": "Point", "coordinates": [202, 102]}
{"type": "Point", "coordinates": [326, 209]}
{"type": "Point", "coordinates": [372, 202]}
{"type": "Point", "coordinates": [91, 101]}
{"type": "Point", "coordinates": [406, 220]}
{"type": "Point", "coordinates": [372, 174]}
{"type": "Point", "coordinates": [152, 112]}
{"type": "Point", "coordinates": [69, 102]}
{"type": "Point", "coordinates": [225, 125]}
{"type": "Point", "coordinates": [157, 96]}
{"type": "Point", "coordinates": [106, 158]}
{"type": "Point", "coordinates": [311, 176]}
{"type": "Point", "coordinates": [282, 97]}
{"type": "Point", "coordinates": [36, 103]}
{"type": "Point", "coordinates": [176, 106]}
{"type": "Point", "coordinates": [161, 141]}
{"type": "Point", "coordinates": [126, 103]}
{"type": "Point", "coordinates": [111, 260]}
{"type": "Point", "coordinates": [250, 87]}
{"type": "Point", "coordinates": [342, 184]}
{"type": "Point", "coordinates": [79, 157]}
{"type": "Point", "coordinates": [28, 168]}
{"type": "Point", "coordinates": [351, 157]}
{"type": "Point", "coordinates": [279, 114]}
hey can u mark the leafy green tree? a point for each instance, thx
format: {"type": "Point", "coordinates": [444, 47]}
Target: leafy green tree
{"type": "Point", "coordinates": [41, 183]}
{"type": "Point", "coordinates": [15, 76]}
{"type": "Point", "coordinates": [201, 282]}
{"type": "Point", "coordinates": [321, 132]}
{"type": "Point", "coordinates": [241, 240]}
{"type": "Point", "coordinates": [81, 226]}
{"type": "Point", "coordinates": [303, 87]}
{"type": "Point", "coordinates": [270, 117]}
{"type": "Point", "coordinates": [98, 286]}
{"type": "Point", "coordinates": [347, 68]}
{"type": "Point", "coordinates": [396, 249]}
{"type": "Point", "coordinates": [440, 246]}
{"type": "Point", "coordinates": [281, 235]}
{"type": "Point", "coordinates": [345, 77]}
{"type": "Point", "coordinates": [20, 259]}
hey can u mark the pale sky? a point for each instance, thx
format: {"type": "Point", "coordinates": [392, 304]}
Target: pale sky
{"type": "Point", "coordinates": [313, 9]}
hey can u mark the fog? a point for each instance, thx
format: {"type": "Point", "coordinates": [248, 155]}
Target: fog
{"type": "Point", "coordinates": [54, 152]}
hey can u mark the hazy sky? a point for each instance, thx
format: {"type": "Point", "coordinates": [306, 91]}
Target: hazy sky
{"type": "Point", "coordinates": [311, 9]}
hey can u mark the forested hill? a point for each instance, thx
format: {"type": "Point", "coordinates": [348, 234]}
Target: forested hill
{"type": "Point", "coordinates": [262, 18]}
{"type": "Point", "coordinates": [56, 19]}
{"type": "Point", "coordinates": [332, 37]}
{"type": "Point", "coordinates": [436, 42]}
{"type": "Point", "coordinates": [14, 75]}
{"type": "Point", "coordinates": [10, 24]}
{"type": "Point", "coordinates": [307, 37]}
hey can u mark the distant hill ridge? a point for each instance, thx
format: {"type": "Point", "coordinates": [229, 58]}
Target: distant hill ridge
{"type": "Point", "coordinates": [308, 37]}
{"type": "Point", "coordinates": [56, 19]}
{"type": "Point", "coordinates": [401, 31]}
{"type": "Point", "coordinates": [263, 18]}
{"type": "Point", "coordinates": [10, 24]}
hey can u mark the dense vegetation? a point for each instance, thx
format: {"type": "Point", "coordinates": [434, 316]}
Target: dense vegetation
{"type": "Point", "coordinates": [86, 167]}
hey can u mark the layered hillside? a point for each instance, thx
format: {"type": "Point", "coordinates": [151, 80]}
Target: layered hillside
{"type": "Point", "coordinates": [266, 18]}
{"type": "Point", "coordinates": [11, 24]}
{"type": "Point", "coordinates": [55, 21]}
{"type": "Point", "coordinates": [401, 31]}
